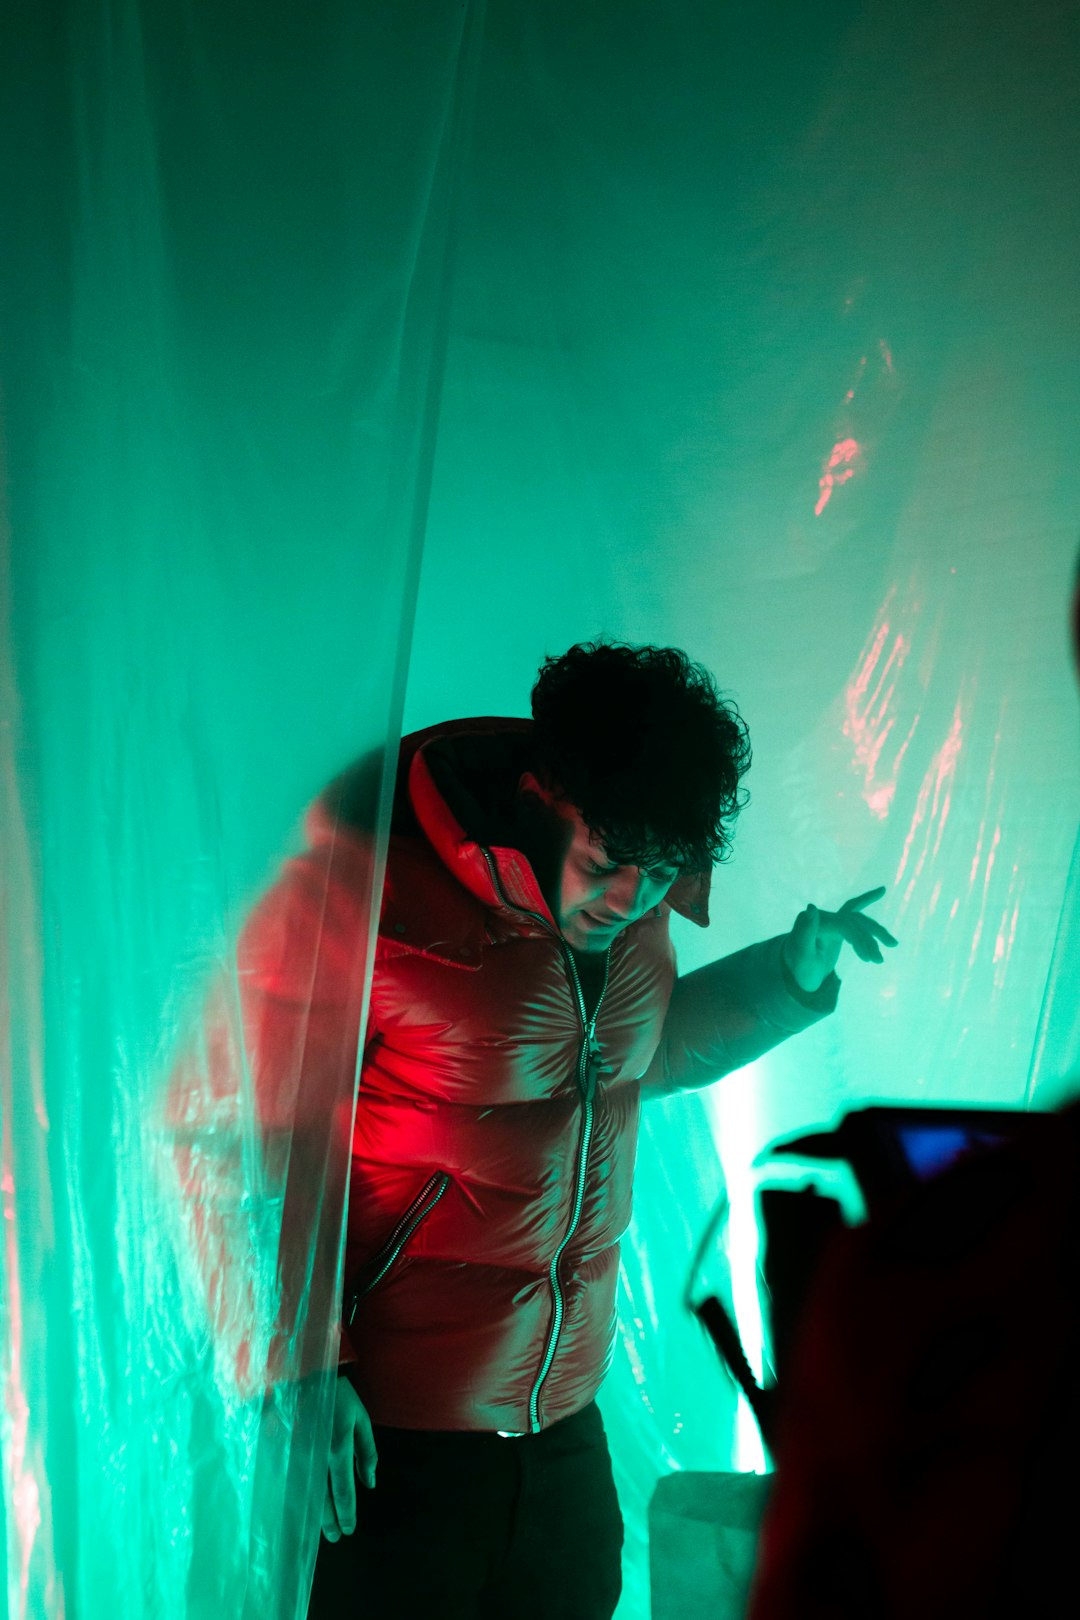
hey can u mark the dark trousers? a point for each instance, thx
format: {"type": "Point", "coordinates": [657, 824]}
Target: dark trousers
{"type": "Point", "coordinates": [464, 1526]}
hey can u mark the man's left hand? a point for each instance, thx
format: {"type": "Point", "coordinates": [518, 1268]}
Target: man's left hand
{"type": "Point", "coordinates": [813, 947]}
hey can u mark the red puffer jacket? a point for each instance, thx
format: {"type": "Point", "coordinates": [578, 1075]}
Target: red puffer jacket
{"type": "Point", "coordinates": [495, 1131]}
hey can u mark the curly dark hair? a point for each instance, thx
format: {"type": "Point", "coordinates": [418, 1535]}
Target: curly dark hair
{"type": "Point", "coordinates": [641, 742]}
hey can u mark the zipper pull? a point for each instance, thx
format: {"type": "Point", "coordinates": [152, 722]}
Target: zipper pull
{"type": "Point", "coordinates": [594, 1063]}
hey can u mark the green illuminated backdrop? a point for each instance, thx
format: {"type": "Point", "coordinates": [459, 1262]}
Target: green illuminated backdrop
{"type": "Point", "coordinates": [752, 331]}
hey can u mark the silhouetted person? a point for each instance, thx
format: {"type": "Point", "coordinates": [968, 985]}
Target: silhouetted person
{"type": "Point", "coordinates": [929, 1428]}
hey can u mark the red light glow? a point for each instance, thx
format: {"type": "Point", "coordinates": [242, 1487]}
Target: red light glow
{"type": "Point", "coordinates": [870, 716]}
{"type": "Point", "coordinates": [839, 467]}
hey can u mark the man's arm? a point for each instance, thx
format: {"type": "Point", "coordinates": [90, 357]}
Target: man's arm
{"type": "Point", "coordinates": [733, 1011]}
{"type": "Point", "coordinates": [256, 1123]}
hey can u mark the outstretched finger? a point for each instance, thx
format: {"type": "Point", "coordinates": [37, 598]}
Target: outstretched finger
{"type": "Point", "coordinates": [364, 1453]}
{"type": "Point", "coordinates": [860, 900]}
{"type": "Point", "coordinates": [343, 1491]}
{"type": "Point", "coordinates": [860, 937]}
{"type": "Point", "coordinates": [881, 934]}
{"type": "Point", "coordinates": [331, 1528]}
{"type": "Point", "coordinates": [869, 928]}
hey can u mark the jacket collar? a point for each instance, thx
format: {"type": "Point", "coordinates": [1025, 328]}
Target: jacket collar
{"type": "Point", "coordinates": [460, 779]}
{"type": "Point", "coordinates": [455, 790]}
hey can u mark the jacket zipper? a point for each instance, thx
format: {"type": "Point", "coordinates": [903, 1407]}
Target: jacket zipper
{"type": "Point", "coordinates": [418, 1210]}
{"type": "Point", "coordinates": [587, 1086]}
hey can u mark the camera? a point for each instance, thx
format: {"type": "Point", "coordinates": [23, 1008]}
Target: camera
{"type": "Point", "coordinates": [812, 1185]}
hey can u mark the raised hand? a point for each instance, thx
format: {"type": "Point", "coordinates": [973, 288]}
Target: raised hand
{"type": "Point", "coordinates": [812, 949]}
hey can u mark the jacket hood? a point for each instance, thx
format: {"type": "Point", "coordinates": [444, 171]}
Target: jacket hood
{"type": "Point", "coordinates": [455, 787]}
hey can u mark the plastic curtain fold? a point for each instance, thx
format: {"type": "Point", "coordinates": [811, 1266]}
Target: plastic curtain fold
{"type": "Point", "coordinates": [227, 244]}
{"type": "Point", "coordinates": [760, 340]}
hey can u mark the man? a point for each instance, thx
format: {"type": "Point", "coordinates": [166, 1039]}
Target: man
{"type": "Point", "coordinates": [524, 999]}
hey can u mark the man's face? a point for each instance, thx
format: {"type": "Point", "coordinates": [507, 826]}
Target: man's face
{"type": "Point", "coordinates": [590, 899]}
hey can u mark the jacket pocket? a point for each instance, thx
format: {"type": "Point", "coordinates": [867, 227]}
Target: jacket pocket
{"type": "Point", "coordinates": [380, 1264]}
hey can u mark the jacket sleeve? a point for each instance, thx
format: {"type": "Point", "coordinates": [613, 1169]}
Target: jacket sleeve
{"type": "Point", "coordinates": [730, 1013]}
{"type": "Point", "coordinates": [256, 1125]}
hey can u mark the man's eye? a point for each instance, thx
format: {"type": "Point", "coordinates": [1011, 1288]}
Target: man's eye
{"type": "Point", "coordinates": [606, 871]}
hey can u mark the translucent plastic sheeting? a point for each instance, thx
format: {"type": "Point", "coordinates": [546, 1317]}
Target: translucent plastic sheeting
{"type": "Point", "coordinates": [765, 345]}
{"type": "Point", "coordinates": [226, 256]}
{"type": "Point", "coordinates": [1054, 1077]}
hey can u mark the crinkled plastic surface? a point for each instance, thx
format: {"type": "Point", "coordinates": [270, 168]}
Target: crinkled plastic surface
{"type": "Point", "coordinates": [227, 234]}
{"type": "Point", "coordinates": [748, 331]}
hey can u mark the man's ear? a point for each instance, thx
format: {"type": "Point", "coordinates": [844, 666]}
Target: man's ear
{"type": "Point", "coordinates": [530, 787]}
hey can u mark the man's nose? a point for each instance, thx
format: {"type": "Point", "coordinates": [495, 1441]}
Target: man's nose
{"type": "Point", "coordinates": [630, 898]}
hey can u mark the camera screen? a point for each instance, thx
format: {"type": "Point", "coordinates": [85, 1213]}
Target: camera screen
{"type": "Point", "coordinates": [928, 1149]}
